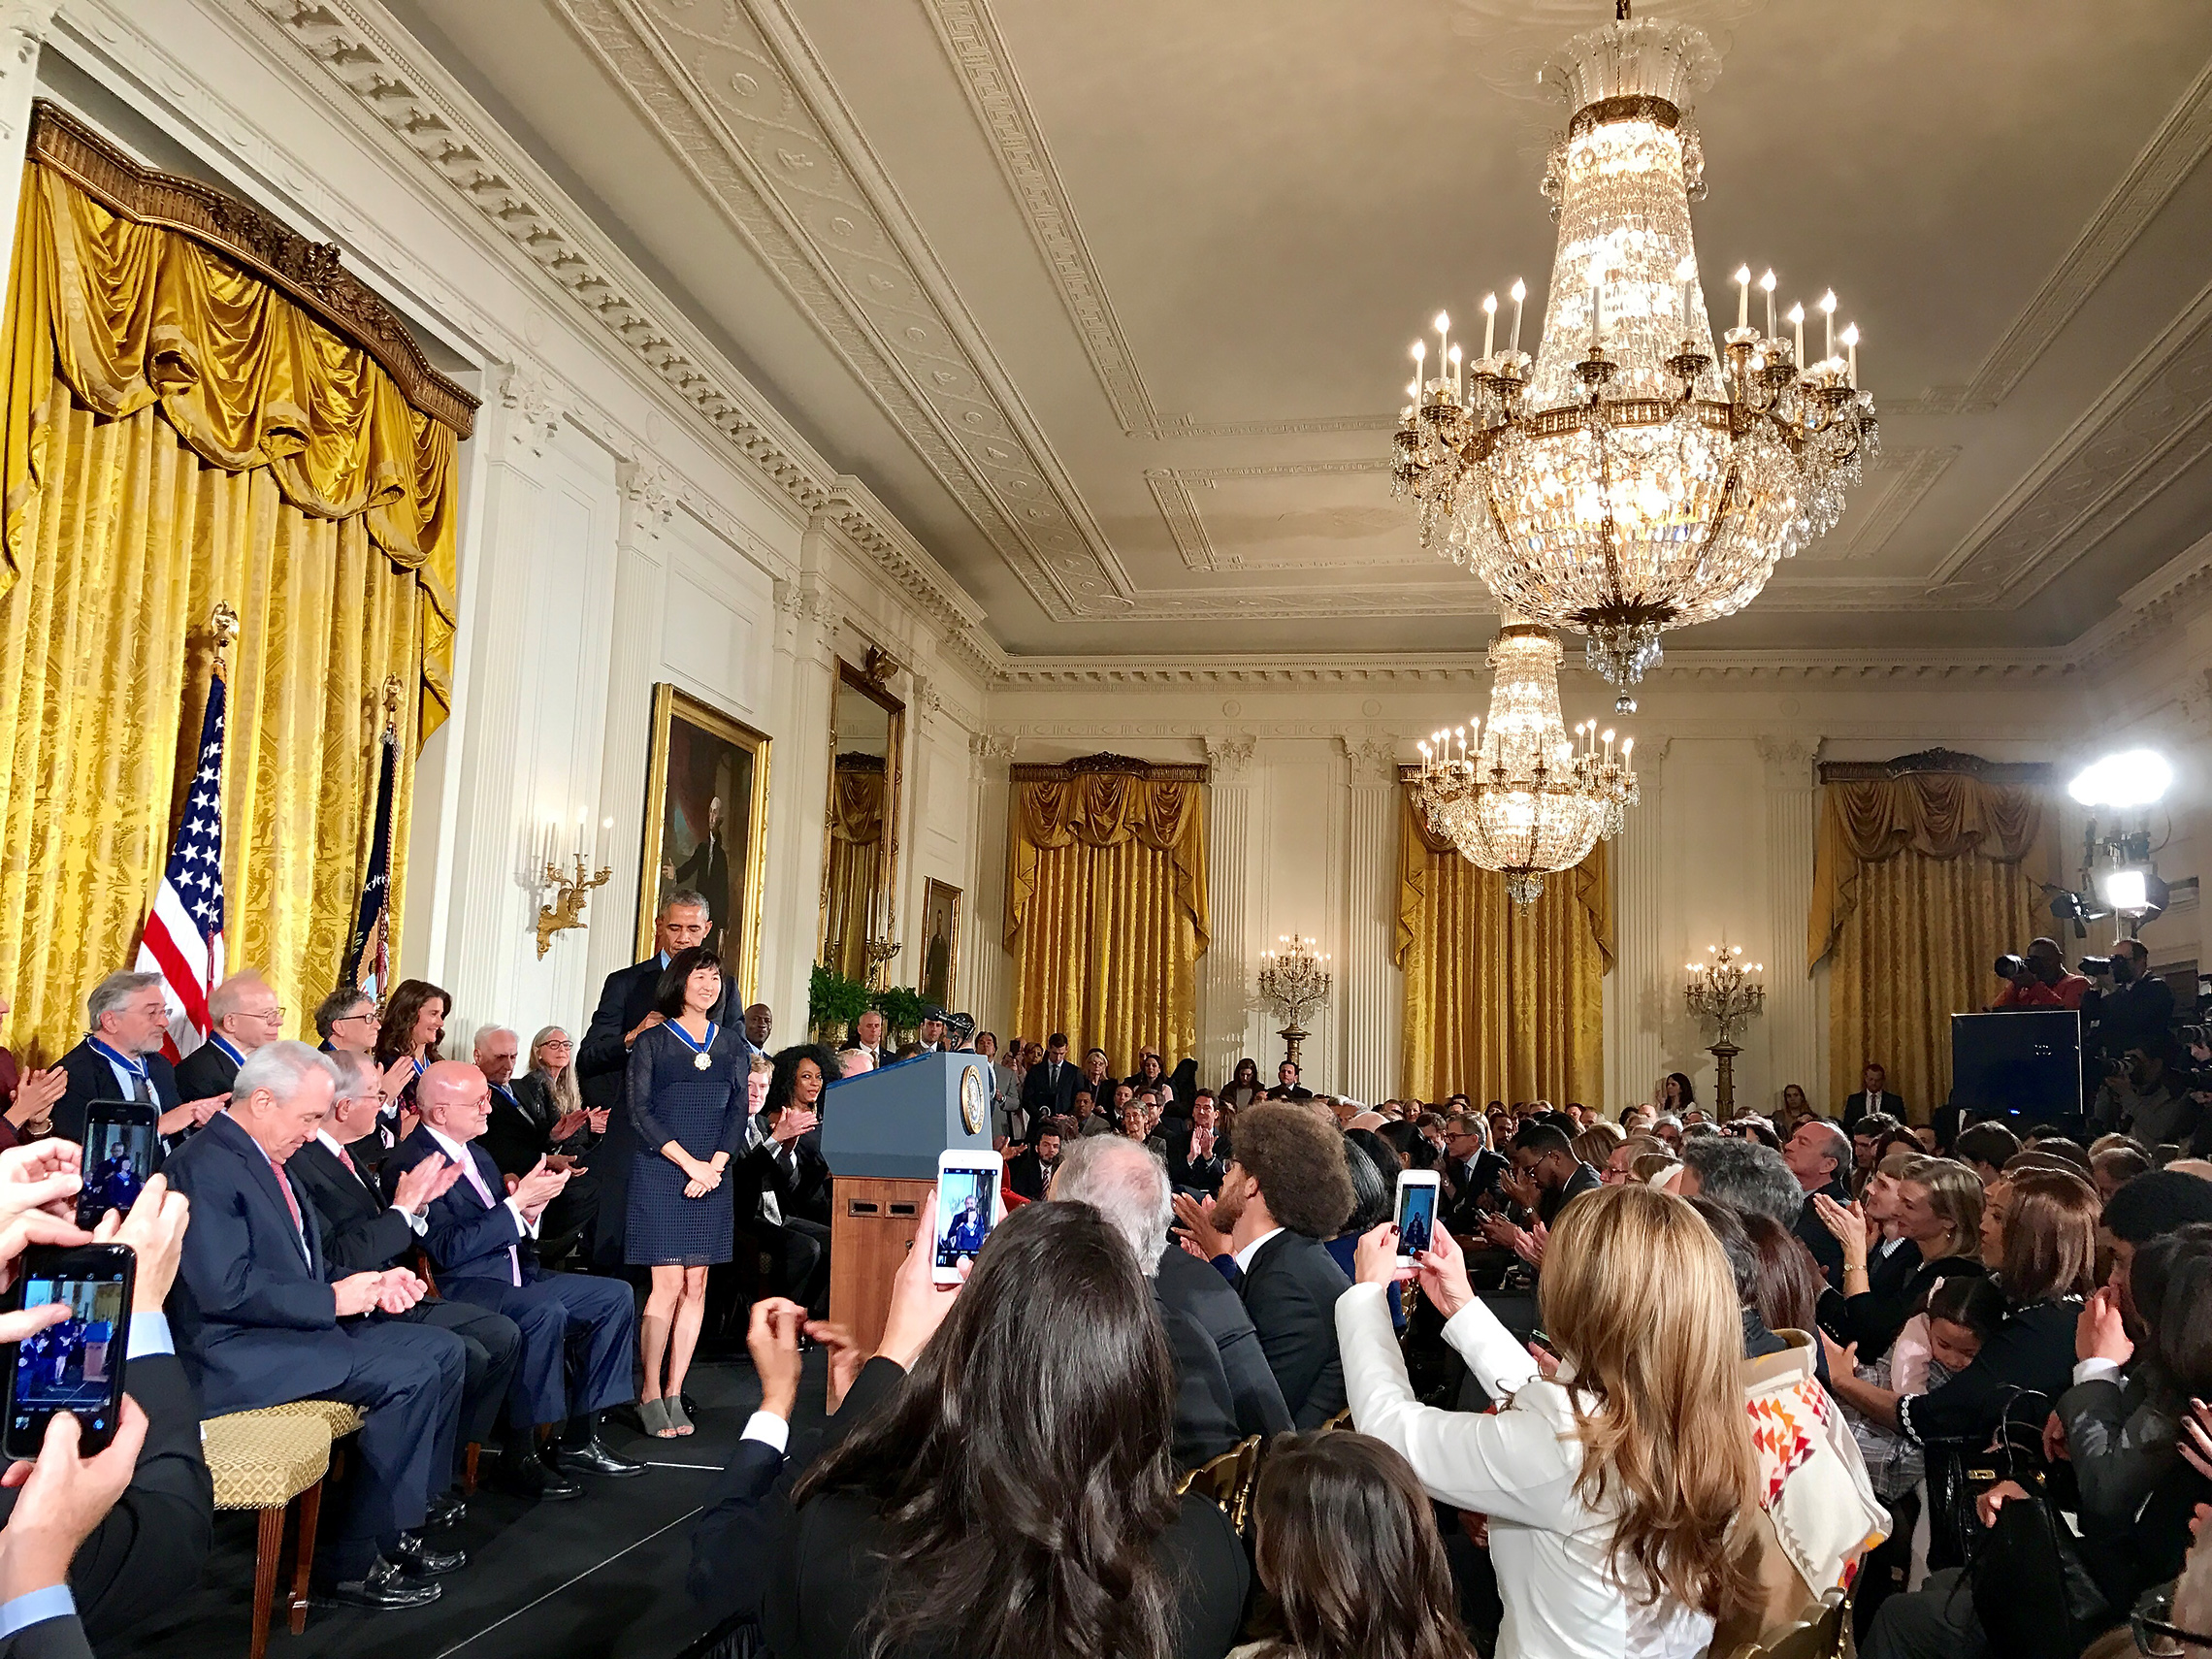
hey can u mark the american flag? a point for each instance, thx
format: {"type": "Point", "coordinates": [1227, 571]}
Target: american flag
{"type": "Point", "coordinates": [183, 937]}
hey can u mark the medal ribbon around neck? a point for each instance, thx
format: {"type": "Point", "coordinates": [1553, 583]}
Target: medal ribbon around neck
{"type": "Point", "coordinates": [701, 1059]}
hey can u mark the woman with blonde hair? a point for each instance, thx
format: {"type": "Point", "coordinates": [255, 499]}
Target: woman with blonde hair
{"type": "Point", "coordinates": [1613, 1494]}
{"type": "Point", "coordinates": [1937, 1212]}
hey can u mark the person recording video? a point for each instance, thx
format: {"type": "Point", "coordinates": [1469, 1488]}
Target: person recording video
{"type": "Point", "coordinates": [2135, 1012]}
{"type": "Point", "coordinates": [2039, 980]}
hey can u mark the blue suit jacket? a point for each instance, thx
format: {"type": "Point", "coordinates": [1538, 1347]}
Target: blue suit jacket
{"type": "Point", "coordinates": [464, 1237]}
{"type": "Point", "coordinates": [254, 1321]}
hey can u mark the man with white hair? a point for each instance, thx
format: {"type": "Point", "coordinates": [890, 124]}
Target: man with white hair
{"type": "Point", "coordinates": [242, 1015]}
{"type": "Point", "coordinates": [1224, 1389]}
{"type": "Point", "coordinates": [477, 1235]}
{"type": "Point", "coordinates": [121, 1059]}
{"type": "Point", "coordinates": [266, 1318]}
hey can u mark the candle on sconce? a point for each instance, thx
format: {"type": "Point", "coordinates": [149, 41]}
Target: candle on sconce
{"type": "Point", "coordinates": [1851, 346]}
{"type": "Point", "coordinates": [1489, 324]}
{"type": "Point", "coordinates": [1519, 293]}
{"type": "Point", "coordinates": [605, 840]}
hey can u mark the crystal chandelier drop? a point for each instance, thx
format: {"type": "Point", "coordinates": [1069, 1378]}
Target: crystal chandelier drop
{"type": "Point", "coordinates": [1520, 797]}
{"type": "Point", "coordinates": [1622, 483]}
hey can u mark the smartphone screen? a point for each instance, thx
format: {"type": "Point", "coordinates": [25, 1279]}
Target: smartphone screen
{"type": "Point", "coordinates": [1417, 1215]}
{"type": "Point", "coordinates": [967, 1198]}
{"type": "Point", "coordinates": [122, 1148]}
{"type": "Point", "coordinates": [77, 1365]}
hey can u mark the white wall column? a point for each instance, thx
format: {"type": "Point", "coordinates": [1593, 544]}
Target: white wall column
{"type": "Point", "coordinates": [634, 662]}
{"type": "Point", "coordinates": [1224, 990]}
{"type": "Point", "coordinates": [1633, 1010]}
{"type": "Point", "coordinates": [23, 26]}
{"type": "Point", "coordinates": [1791, 1025]}
{"type": "Point", "coordinates": [986, 976]}
{"type": "Point", "coordinates": [1373, 984]}
{"type": "Point", "coordinates": [798, 792]}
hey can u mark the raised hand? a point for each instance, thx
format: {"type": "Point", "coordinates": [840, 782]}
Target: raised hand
{"type": "Point", "coordinates": [1374, 1258]}
{"type": "Point", "coordinates": [1195, 1226]}
{"type": "Point", "coordinates": [425, 1183]}
{"type": "Point", "coordinates": [1444, 1273]}
{"type": "Point", "coordinates": [63, 1497]}
{"type": "Point", "coordinates": [36, 1094]}
{"type": "Point", "coordinates": [42, 1176]}
{"type": "Point", "coordinates": [2099, 1332]}
{"type": "Point", "coordinates": [397, 1076]}
{"type": "Point", "coordinates": [919, 1304]}
{"type": "Point", "coordinates": [1848, 1222]}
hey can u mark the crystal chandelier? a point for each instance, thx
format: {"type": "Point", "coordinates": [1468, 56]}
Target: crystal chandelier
{"type": "Point", "coordinates": [1724, 992]}
{"type": "Point", "coordinates": [1621, 482]}
{"type": "Point", "coordinates": [1295, 980]}
{"type": "Point", "coordinates": [1520, 797]}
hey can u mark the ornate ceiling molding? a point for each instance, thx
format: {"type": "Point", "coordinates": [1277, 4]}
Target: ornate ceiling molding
{"type": "Point", "coordinates": [2182, 141]}
{"type": "Point", "coordinates": [415, 102]}
{"type": "Point", "coordinates": [1172, 490]}
{"type": "Point", "coordinates": [1287, 671]}
{"type": "Point", "coordinates": [2147, 430]}
{"type": "Point", "coordinates": [1912, 474]}
{"type": "Point", "coordinates": [737, 96]}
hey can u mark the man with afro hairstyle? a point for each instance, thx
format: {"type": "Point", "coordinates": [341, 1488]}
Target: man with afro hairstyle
{"type": "Point", "coordinates": [1283, 1194]}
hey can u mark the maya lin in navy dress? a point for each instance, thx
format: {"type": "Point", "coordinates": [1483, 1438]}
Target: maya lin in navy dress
{"type": "Point", "coordinates": [704, 1112]}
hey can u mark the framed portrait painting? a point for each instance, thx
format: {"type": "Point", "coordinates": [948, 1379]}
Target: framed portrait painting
{"type": "Point", "coordinates": [706, 800]}
{"type": "Point", "coordinates": [940, 942]}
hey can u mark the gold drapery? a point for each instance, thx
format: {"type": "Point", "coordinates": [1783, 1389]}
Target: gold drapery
{"type": "Point", "coordinates": [1501, 1003]}
{"type": "Point", "coordinates": [1106, 913]}
{"type": "Point", "coordinates": [177, 433]}
{"type": "Point", "coordinates": [1919, 882]}
{"type": "Point", "coordinates": [856, 792]}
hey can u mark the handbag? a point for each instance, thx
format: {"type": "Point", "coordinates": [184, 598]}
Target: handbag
{"type": "Point", "coordinates": [2033, 1594]}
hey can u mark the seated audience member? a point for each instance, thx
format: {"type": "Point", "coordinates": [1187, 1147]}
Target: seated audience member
{"type": "Point", "coordinates": [1284, 1194]}
{"type": "Point", "coordinates": [766, 1187]}
{"type": "Point", "coordinates": [1471, 1173]}
{"type": "Point", "coordinates": [408, 1040]}
{"type": "Point", "coordinates": [2114, 1167]}
{"type": "Point", "coordinates": [1596, 1143]}
{"type": "Point", "coordinates": [364, 1233]}
{"type": "Point", "coordinates": [243, 1013]}
{"type": "Point", "coordinates": [1244, 1088]}
{"type": "Point", "coordinates": [801, 1079]}
{"type": "Point", "coordinates": [2045, 1247]}
{"type": "Point", "coordinates": [132, 1550]}
{"type": "Point", "coordinates": [541, 1114]}
{"type": "Point", "coordinates": [1818, 1155]}
{"type": "Point", "coordinates": [1866, 1136]}
{"type": "Point", "coordinates": [26, 1097]}
{"type": "Point", "coordinates": [1137, 1115]}
{"type": "Point", "coordinates": [853, 1060]}
{"type": "Point", "coordinates": [1128, 1187]}
{"type": "Point", "coordinates": [1641, 1306]}
{"type": "Point", "coordinates": [1790, 1285]}
{"type": "Point", "coordinates": [1936, 1215]}
{"type": "Point", "coordinates": [1084, 1114]}
{"type": "Point", "coordinates": [1547, 1175]}
{"type": "Point", "coordinates": [956, 1516]}
{"type": "Point", "coordinates": [121, 1059]}
{"type": "Point", "coordinates": [264, 1319]}
{"type": "Point", "coordinates": [1620, 1162]}
{"type": "Point", "coordinates": [1986, 1149]}
{"type": "Point", "coordinates": [1286, 1084]}
{"type": "Point", "coordinates": [1030, 1174]}
{"type": "Point", "coordinates": [477, 1238]}
{"type": "Point", "coordinates": [1151, 1073]}
{"type": "Point", "coordinates": [1347, 1552]}
{"type": "Point", "coordinates": [1373, 1170]}
{"type": "Point", "coordinates": [1197, 1149]}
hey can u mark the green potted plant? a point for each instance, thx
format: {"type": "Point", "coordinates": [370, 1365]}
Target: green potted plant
{"type": "Point", "coordinates": [900, 1006]}
{"type": "Point", "coordinates": [834, 1003]}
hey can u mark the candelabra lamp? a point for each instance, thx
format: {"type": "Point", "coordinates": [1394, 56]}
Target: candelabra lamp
{"type": "Point", "coordinates": [1724, 992]}
{"type": "Point", "coordinates": [880, 952]}
{"type": "Point", "coordinates": [1294, 981]}
{"type": "Point", "coordinates": [567, 907]}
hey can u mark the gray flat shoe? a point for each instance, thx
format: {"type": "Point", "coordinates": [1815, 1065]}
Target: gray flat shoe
{"type": "Point", "coordinates": [678, 1419]}
{"type": "Point", "coordinates": [653, 1417]}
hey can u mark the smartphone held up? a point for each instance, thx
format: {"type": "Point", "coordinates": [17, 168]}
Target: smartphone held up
{"type": "Point", "coordinates": [76, 1364]}
{"type": "Point", "coordinates": [1415, 1216]}
{"type": "Point", "coordinates": [968, 1207]}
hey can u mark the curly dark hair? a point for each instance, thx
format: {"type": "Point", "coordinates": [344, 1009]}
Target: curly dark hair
{"type": "Point", "coordinates": [785, 1078]}
{"type": "Point", "coordinates": [1021, 1473]}
{"type": "Point", "coordinates": [1298, 1161]}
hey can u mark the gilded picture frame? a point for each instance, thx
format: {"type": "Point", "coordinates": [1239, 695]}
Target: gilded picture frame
{"type": "Point", "coordinates": [940, 955]}
{"type": "Point", "coordinates": [705, 825]}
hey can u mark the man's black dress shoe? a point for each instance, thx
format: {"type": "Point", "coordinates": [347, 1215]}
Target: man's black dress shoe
{"type": "Point", "coordinates": [383, 1587]}
{"type": "Point", "coordinates": [593, 1458]}
{"type": "Point", "coordinates": [414, 1553]}
{"type": "Point", "coordinates": [445, 1509]}
{"type": "Point", "coordinates": [531, 1478]}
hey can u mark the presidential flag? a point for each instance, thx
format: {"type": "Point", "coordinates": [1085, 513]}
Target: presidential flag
{"type": "Point", "coordinates": [367, 958]}
{"type": "Point", "coordinates": [183, 936]}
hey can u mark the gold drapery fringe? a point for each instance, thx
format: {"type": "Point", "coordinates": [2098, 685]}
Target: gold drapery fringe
{"type": "Point", "coordinates": [856, 851]}
{"type": "Point", "coordinates": [1919, 882]}
{"type": "Point", "coordinates": [1106, 913]}
{"type": "Point", "coordinates": [177, 433]}
{"type": "Point", "coordinates": [1500, 1003]}
{"type": "Point", "coordinates": [132, 317]}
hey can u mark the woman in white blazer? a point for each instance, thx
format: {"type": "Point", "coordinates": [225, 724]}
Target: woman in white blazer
{"type": "Point", "coordinates": [1612, 1489]}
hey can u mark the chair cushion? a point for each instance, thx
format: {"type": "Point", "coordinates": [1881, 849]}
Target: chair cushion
{"type": "Point", "coordinates": [344, 1419]}
{"type": "Point", "coordinates": [262, 1460]}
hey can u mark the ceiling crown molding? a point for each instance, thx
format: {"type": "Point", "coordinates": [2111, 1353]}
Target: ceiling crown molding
{"type": "Point", "coordinates": [413, 100]}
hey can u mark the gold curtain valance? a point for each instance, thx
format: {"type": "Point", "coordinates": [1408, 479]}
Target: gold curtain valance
{"type": "Point", "coordinates": [1100, 809]}
{"type": "Point", "coordinates": [132, 315]}
{"type": "Point", "coordinates": [1937, 814]}
{"type": "Point", "coordinates": [1417, 843]}
{"type": "Point", "coordinates": [856, 805]}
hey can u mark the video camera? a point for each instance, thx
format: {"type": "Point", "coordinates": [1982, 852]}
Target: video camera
{"type": "Point", "coordinates": [2013, 968]}
{"type": "Point", "coordinates": [2095, 967]}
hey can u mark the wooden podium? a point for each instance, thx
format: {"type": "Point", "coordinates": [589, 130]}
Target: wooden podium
{"type": "Point", "coordinates": [881, 1132]}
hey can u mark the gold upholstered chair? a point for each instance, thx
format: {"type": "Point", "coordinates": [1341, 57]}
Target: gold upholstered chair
{"type": "Point", "coordinates": [264, 1460]}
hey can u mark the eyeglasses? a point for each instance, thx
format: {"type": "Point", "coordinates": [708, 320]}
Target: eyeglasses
{"type": "Point", "coordinates": [556, 1043]}
{"type": "Point", "coordinates": [276, 1013]}
{"type": "Point", "coordinates": [345, 1018]}
{"type": "Point", "coordinates": [2153, 1636]}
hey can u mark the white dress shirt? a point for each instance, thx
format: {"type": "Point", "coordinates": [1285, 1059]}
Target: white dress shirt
{"type": "Point", "coordinates": [1243, 1257]}
{"type": "Point", "coordinates": [1517, 1466]}
{"type": "Point", "coordinates": [457, 1153]}
{"type": "Point", "coordinates": [417, 1224]}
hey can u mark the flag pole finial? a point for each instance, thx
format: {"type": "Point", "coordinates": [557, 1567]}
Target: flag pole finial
{"type": "Point", "coordinates": [392, 690]}
{"type": "Point", "coordinates": [223, 623]}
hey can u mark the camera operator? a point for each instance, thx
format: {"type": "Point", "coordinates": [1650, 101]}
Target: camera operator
{"type": "Point", "coordinates": [2152, 1097]}
{"type": "Point", "coordinates": [2135, 1012]}
{"type": "Point", "coordinates": [2039, 980]}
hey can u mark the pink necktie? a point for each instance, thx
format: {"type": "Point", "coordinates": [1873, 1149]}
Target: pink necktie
{"type": "Point", "coordinates": [476, 1180]}
{"type": "Point", "coordinates": [299, 1222]}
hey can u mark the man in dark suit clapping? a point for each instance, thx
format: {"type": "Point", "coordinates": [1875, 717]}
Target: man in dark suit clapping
{"type": "Point", "coordinates": [264, 1319]}
{"type": "Point", "coordinates": [1284, 1192]}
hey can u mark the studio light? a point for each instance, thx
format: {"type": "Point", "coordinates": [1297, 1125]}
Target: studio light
{"type": "Point", "coordinates": [2135, 777]}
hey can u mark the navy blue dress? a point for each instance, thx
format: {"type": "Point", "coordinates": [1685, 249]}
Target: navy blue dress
{"type": "Point", "coordinates": [704, 1112]}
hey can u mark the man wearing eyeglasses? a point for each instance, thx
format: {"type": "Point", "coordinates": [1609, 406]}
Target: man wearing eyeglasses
{"type": "Point", "coordinates": [244, 1014]}
{"type": "Point", "coordinates": [347, 1022]}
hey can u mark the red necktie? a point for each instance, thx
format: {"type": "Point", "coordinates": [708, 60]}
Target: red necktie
{"type": "Point", "coordinates": [349, 1163]}
{"type": "Point", "coordinates": [290, 1203]}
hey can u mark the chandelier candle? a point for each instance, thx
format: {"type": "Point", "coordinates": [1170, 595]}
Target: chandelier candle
{"type": "Point", "coordinates": [1634, 477]}
{"type": "Point", "coordinates": [1489, 324]}
{"type": "Point", "coordinates": [1520, 293]}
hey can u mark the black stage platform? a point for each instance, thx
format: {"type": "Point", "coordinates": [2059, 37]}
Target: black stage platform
{"type": "Point", "coordinates": [602, 1574]}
